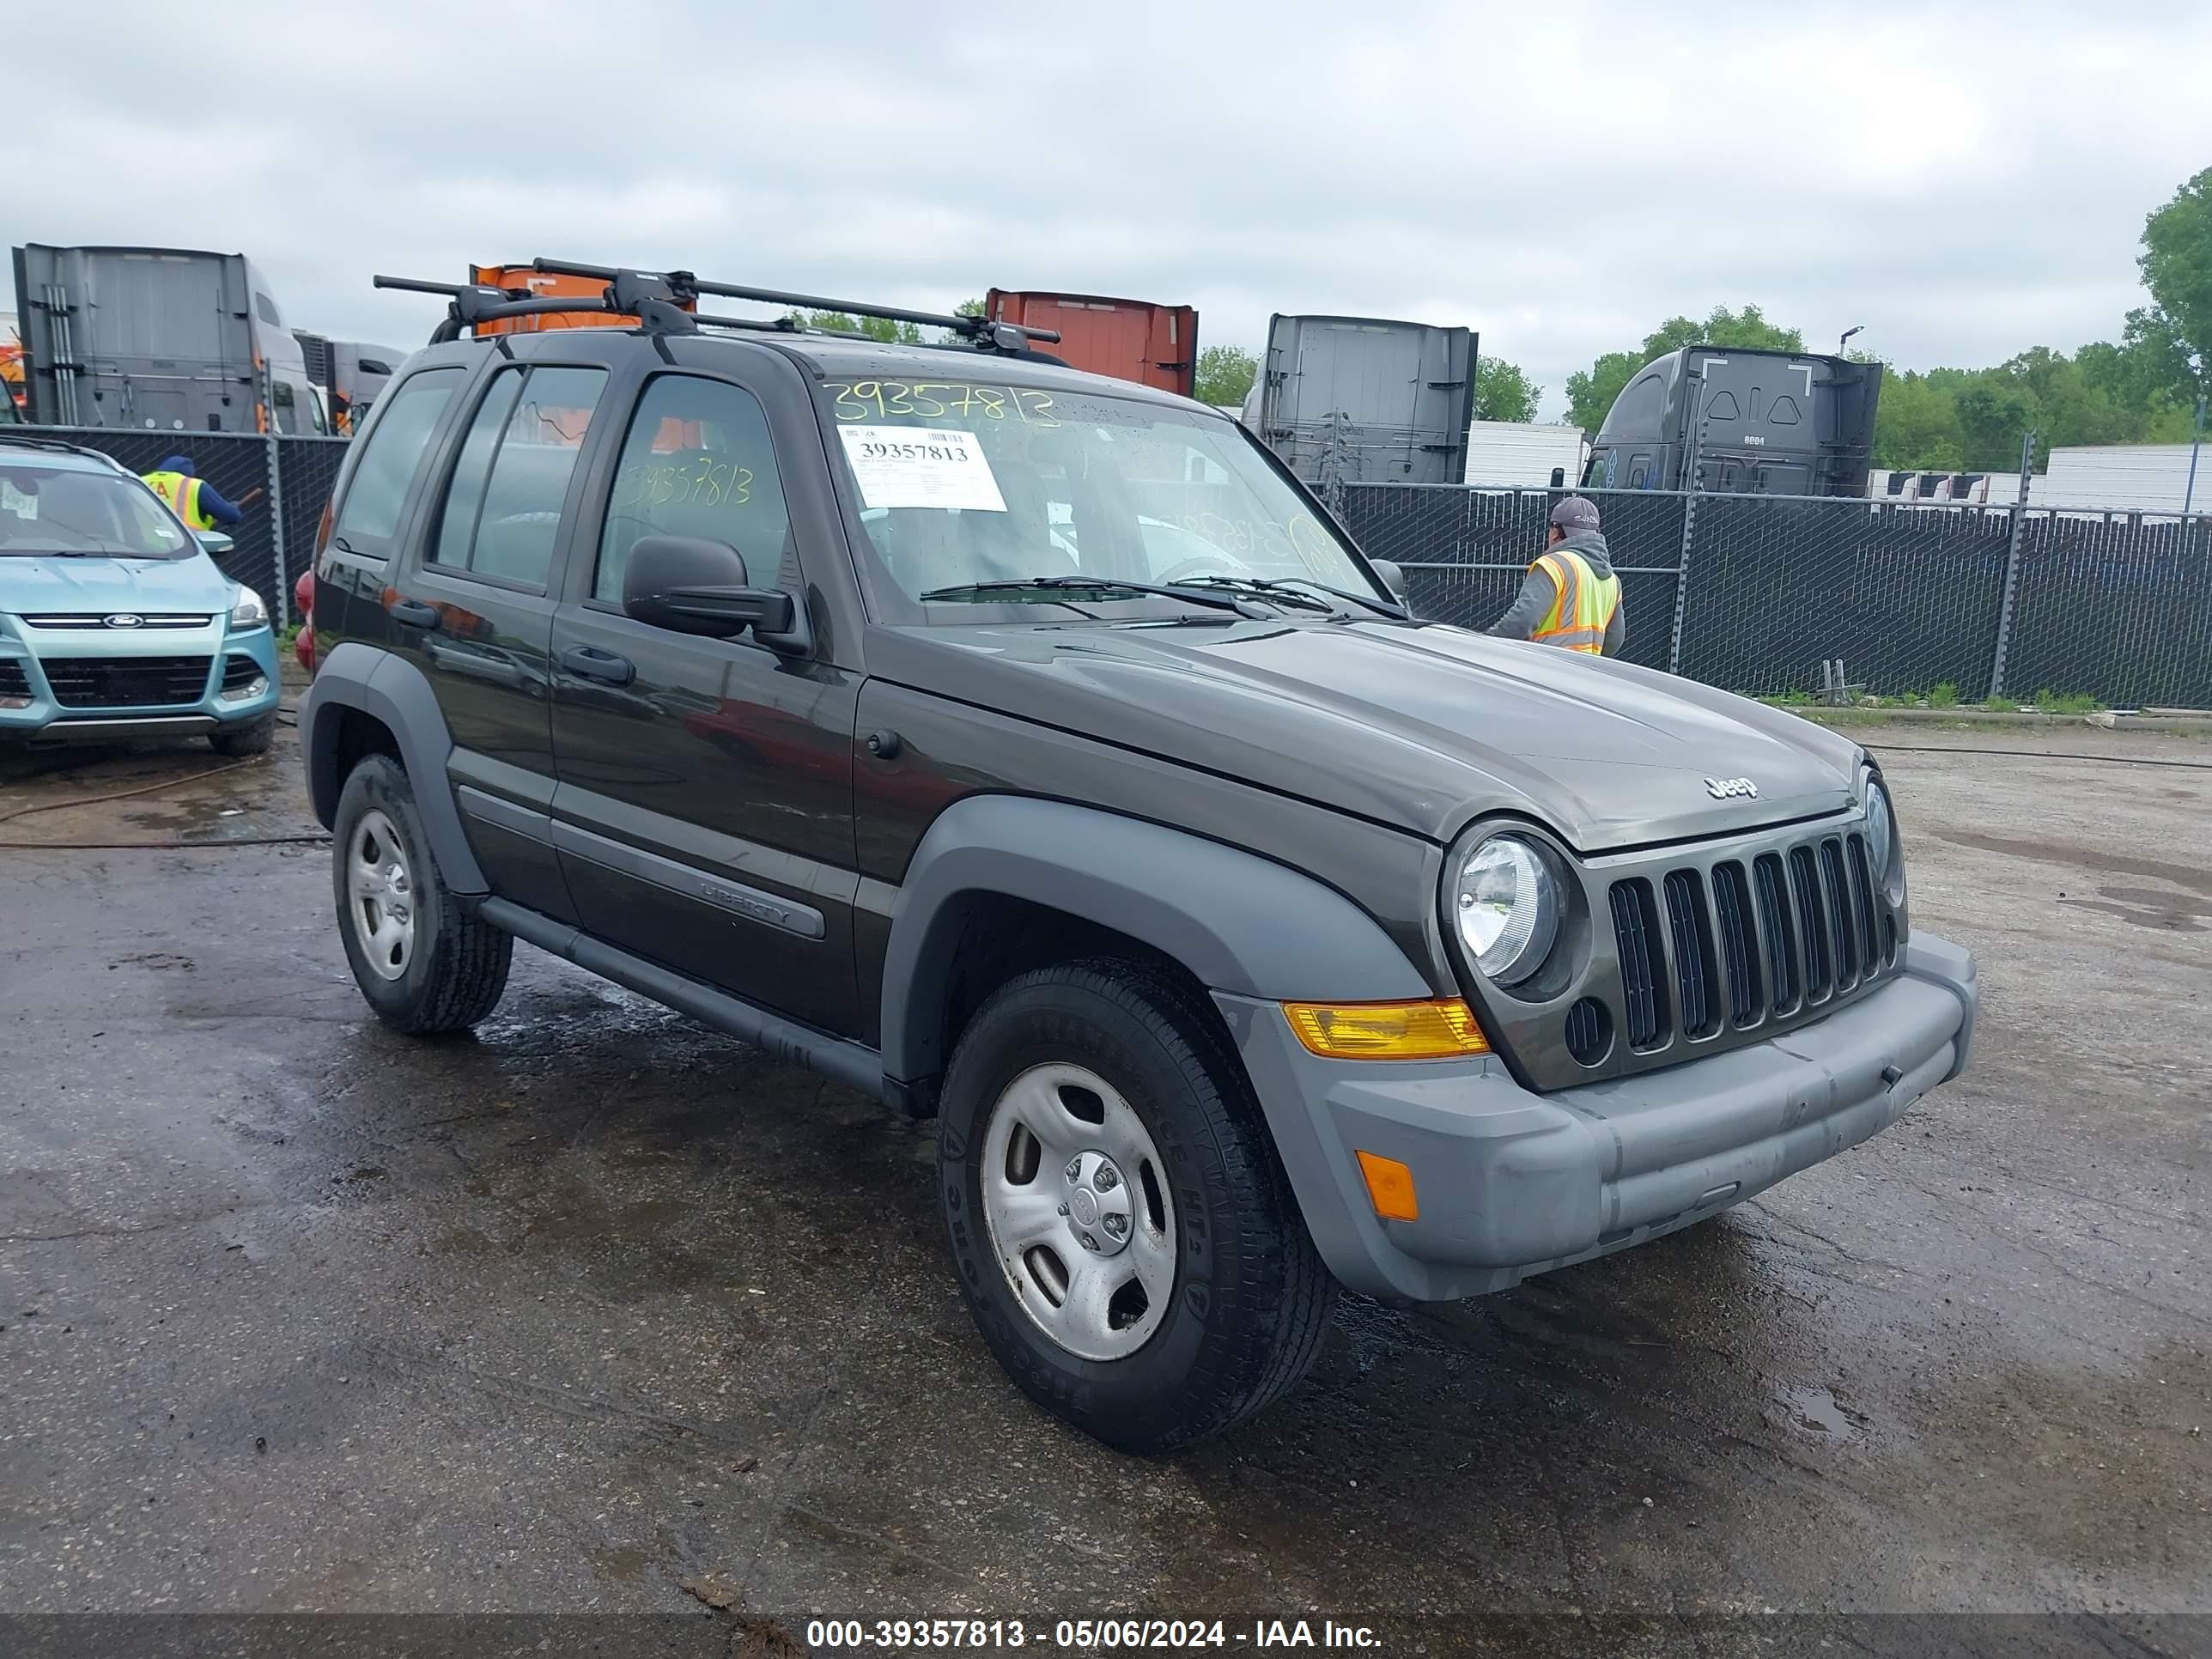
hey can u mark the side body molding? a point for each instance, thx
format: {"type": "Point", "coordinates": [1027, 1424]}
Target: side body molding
{"type": "Point", "coordinates": [1238, 922]}
{"type": "Point", "coordinates": [394, 691]}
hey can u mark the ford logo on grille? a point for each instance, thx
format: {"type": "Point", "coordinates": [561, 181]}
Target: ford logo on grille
{"type": "Point", "coordinates": [125, 619]}
{"type": "Point", "coordinates": [1731, 788]}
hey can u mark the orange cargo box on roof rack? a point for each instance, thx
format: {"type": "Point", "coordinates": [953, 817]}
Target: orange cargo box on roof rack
{"type": "Point", "coordinates": [552, 285]}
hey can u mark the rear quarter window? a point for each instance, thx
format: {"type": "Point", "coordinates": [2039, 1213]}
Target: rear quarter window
{"type": "Point", "coordinates": [393, 451]}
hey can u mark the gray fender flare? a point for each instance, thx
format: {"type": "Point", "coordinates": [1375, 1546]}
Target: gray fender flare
{"type": "Point", "coordinates": [1238, 922]}
{"type": "Point", "coordinates": [396, 692]}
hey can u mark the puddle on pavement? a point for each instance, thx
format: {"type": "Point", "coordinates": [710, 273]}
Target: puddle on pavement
{"type": "Point", "coordinates": [2100, 859]}
{"type": "Point", "coordinates": [1811, 1409]}
{"type": "Point", "coordinates": [2147, 906]}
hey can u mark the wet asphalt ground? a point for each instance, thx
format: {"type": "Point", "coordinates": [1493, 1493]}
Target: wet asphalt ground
{"type": "Point", "coordinates": [594, 1305]}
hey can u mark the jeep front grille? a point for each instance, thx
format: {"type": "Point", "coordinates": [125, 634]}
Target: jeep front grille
{"type": "Point", "coordinates": [126, 682]}
{"type": "Point", "coordinates": [1693, 952]}
{"type": "Point", "coordinates": [1746, 947]}
{"type": "Point", "coordinates": [1785, 983]}
{"type": "Point", "coordinates": [1635, 926]}
{"type": "Point", "coordinates": [1739, 951]}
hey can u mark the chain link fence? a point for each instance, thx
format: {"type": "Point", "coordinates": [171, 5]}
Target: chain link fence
{"type": "Point", "coordinates": [1757, 593]}
{"type": "Point", "coordinates": [1752, 593]}
{"type": "Point", "coordinates": [307, 474]}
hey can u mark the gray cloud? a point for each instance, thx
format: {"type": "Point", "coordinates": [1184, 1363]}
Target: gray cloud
{"type": "Point", "coordinates": [1965, 181]}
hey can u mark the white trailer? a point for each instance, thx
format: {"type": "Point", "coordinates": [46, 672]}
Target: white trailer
{"type": "Point", "coordinates": [1516, 454]}
{"type": "Point", "coordinates": [2127, 478]}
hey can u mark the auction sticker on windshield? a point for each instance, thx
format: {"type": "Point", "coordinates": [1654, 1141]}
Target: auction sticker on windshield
{"type": "Point", "coordinates": [921, 467]}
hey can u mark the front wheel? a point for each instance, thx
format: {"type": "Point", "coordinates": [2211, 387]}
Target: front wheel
{"type": "Point", "coordinates": [1125, 1234]}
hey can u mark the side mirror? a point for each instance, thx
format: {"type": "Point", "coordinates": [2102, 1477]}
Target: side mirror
{"type": "Point", "coordinates": [692, 585]}
{"type": "Point", "coordinates": [1393, 578]}
{"type": "Point", "coordinates": [214, 542]}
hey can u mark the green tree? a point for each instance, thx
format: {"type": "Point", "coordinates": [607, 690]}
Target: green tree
{"type": "Point", "coordinates": [1592, 391]}
{"type": "Point", "coordinates": [2177, 268]}
{"type": "Point", "coordinates": [1915, 425]}
{"type": "Point", "coordinates": [1995, 410]}
{"type": "Point", "coordinates": [1224, 375]}
{"type": "Point", "coordinates": [1502, 393]}
{"type": "Point", "coordinates": [873, 328]}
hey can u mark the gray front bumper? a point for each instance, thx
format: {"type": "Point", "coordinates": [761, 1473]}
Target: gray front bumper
{"type": "Point", "coordinates": [1512, 1183]}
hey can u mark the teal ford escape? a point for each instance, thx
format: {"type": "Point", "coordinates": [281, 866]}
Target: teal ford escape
{"type": "Point", "coordinates": [114, 622]}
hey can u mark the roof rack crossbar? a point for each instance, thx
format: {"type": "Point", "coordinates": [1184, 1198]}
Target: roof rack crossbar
{"type": "Point", "coordinates": [1006, 337]}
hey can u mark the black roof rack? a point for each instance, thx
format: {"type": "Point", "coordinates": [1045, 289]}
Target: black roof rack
{"type": "Point", "coordinates": [981, 330]}
{"type": "Point", "coordinates": [658, 300]}
{"type": "Point", "coordinates": [632, 295]}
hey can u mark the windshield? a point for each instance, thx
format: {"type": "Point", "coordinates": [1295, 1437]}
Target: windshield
{"type": "Point", "coordinates": [962, 483]}
{"type": "Point", "coordinates": [47, 511]}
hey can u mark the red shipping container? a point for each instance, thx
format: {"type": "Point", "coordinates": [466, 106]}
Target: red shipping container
{"type": "Point", "coordinates": [1129, 339]}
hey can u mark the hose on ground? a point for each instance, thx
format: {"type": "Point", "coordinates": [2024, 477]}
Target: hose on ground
{"type": "Point", "coordinates": [170, 845]}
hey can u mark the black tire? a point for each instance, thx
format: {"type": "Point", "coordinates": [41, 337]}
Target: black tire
{"type": "Point", "coordinates": [247, 737]}
{"type": "Point", "coordinates": [1251, 1298]}
{"type": "Point", "coordinates": [457, 971]}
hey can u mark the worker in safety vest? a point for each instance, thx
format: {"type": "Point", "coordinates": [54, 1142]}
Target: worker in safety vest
{"type": "Point", "coordinates": [1571, 596]}
{"type": "Point", "coordinates": [190, 497]}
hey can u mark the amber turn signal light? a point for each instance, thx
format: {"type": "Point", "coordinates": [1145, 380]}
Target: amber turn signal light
{"type": "Point", "coordinates": [1389, 1188]}
{"type": "Point", "coordinates": [1387, 1030]}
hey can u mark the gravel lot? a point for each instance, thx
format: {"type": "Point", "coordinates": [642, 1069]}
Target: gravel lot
{"type": "Point", "coordinates": [296, 1315]}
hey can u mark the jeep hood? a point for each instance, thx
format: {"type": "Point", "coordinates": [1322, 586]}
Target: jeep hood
{"type": "Point", "coordinates": [1417, 726]}
{"type": "Point", "coordinates": [111, 585]}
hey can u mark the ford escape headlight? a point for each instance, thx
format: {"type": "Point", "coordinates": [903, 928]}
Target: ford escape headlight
{"type": "Point", "coordinates": [1505, 902]}
{"type": "Point", "coordinates": [246, 611]}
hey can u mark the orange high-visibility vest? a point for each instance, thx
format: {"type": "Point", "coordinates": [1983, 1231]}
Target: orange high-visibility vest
{"type": "Point", "coordinates": [182, 493]}
{"type": "Point", "coordinates": [1581, 604]}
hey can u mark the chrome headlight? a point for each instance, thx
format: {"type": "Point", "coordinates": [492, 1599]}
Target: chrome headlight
{"type": "Point", "coordinates": [1505, 902]}
{"type": "Point", "coordinates": [246, 611]}
{"type": "Point", "coordinates": [1880, 830]}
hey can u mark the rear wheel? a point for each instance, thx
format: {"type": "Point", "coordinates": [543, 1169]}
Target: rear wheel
{"type": "Point", "coordinates": [1125, 1237]}
{"type": "Point", "coordinates": [423, 964]}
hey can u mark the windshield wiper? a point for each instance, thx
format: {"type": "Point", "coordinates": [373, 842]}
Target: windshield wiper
{"type": "Point", "coordinates": [1103, 586]}
{"type": "Point", "coordinates": [1291, 588]}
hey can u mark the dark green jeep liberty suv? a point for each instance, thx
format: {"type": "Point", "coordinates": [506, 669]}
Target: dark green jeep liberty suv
{"type": "Point", "coordinates": [1030, 749]}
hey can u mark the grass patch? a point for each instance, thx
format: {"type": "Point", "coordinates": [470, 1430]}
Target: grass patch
{"type": "Point", "coordinates": [1945, 696]}
{"type": "Point", "coordinates": [2048, 701]}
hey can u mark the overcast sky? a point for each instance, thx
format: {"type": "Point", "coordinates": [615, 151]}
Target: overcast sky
{"type": "Point", "coordinates": [1965, 181]}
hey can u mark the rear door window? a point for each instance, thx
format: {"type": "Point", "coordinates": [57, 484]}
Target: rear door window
{"type": "Point", "coordinates": [502, 512]}
{"type": "Point", "coordinates": [392, 452]}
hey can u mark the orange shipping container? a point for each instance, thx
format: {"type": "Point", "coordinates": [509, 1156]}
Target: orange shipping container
{"type": "Point", "coordinates": [545, 284]}
{"type": "Point", "coordinates": [1129, 339]}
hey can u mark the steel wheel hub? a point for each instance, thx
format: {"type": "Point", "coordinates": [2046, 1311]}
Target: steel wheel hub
{"type": "Point", "coordinates": [380, 888]}
{"type": "Point", "coordinates": [1097, 1203]}
{"type": "Point", "coordinates": [1077, 1206]}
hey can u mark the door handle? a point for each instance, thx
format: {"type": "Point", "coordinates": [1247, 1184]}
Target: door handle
{"type": "Point", "coordinates": [496, 670]}
{"type": "Point", "coordinates": [589, 662]}
{"type": "Point", "coordinates": [413, 612]}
